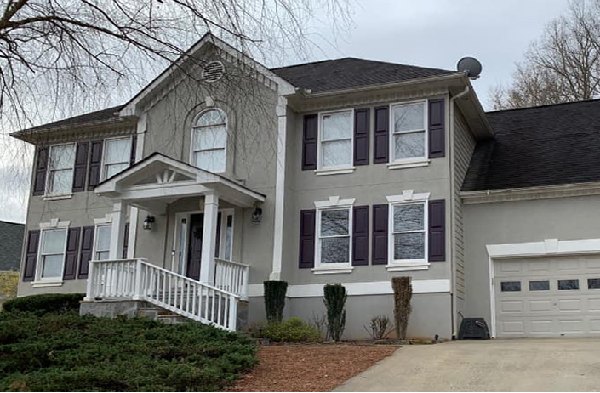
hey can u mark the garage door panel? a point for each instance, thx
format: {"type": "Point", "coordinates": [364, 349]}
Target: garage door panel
{"type": "Point", "coordinates": [542, 326]}
{"type": "Point", "coordinates": [511, 306]}
{"type": "Point", "coordinates": [593, 304]}
{"type": "Point", "coordinates": [513, 327]}
{"type": "Point", "coordinates": [542, 305]}
{"type": "Point", "coordinates": [569, 305]}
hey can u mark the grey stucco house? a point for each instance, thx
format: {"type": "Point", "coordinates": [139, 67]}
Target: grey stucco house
{"type": "Point", "coordinates": [215, 178]}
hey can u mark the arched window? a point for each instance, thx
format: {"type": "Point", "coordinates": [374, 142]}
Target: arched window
{"type": "Point", "coordinates": [209, 139]}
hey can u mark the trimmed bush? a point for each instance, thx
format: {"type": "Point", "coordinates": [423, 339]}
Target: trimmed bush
{"type": "Point", "coordinates": [402, 308]}
{"type": "Point", "coordinates": [43, 304]}
{"type": "Point", "coordinates": [293, 330]}
{"type": "Point", "coordinates": [335, 302]}
{"type": "Point", "coordinates": [275, 299]}
{"type": "Point", "coordinates": [68, 352]}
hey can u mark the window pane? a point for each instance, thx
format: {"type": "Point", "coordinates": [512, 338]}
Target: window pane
{"type": "Point", "coordinates": [409, 117]}
{"type": "Point", "coordinates": [335, 250]}
{"type": "Point", "coordinates": [337, 153]}
{"type": "Point", "coordinates": [228, 238]}
{"type": "Point", "coordinates": [103, 238]}
{"type": "Point", "coordinates": [568, 285]}
{"type": "Point", "coordinates": [54, 242]}
{"type": "Point", "coordinates": [409, 217]}
{"type": "Point", "coordinates": [335, 222]}
{"type": "Point", "coordinates": [113, 169]}
{"type": "Point", "coordinates": [63, 157]}
{"type": "Point", "coordinates": [510, 286]}
{"type": "Point", "coordinates": [409, 246]}
{"type": "Point", "coordinates": [337, 126]}
{"type": "Point", "coordinates": [409, 145]}
{"type": "Point", "coordinates": [118, 151]}
{"type": "Point", "coordinates": [52, 266]}
{"type": "Point", "coordinates": [210, 138]}
{"type": "Point", "coordinates": [539, 285]}
{"type": "Point", "coordinates": [593, 283]}
{"type": "Point", "coordinates": [60, 182]}
{"type": "Point", "coordinates": [102, 255]}
{"type": "Point", "coordinates": [211, 117]}
{"type": "Point", "coordinates": [211, 160]}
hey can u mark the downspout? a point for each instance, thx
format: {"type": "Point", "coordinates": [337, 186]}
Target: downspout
{"type": "Point", "coordinates": [454, 305]}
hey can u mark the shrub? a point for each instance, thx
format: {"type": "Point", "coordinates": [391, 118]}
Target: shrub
{"type": "Point", "coordinates": [402, 296]}
{"type": "Point", "coordinates": [335, 302]}
{"type": "Point", "coordinates": [275, 299]}
{"type": "Point", "coordinates": [379, 327]}
{"type": "Point", "coordinates": [293, 330]}
{"type": "Point", "coordinates": [43, 304]}
{"type": "Point", "coordinates": [69, 352]}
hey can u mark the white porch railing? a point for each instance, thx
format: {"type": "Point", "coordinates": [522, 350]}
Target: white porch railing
{"type": "Point", "coordinates": [138, 280]}
{"type": "Point", "coordinates": [232, 277]}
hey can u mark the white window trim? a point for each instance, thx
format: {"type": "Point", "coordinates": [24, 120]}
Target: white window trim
{"type": "Point", "coordinates": [40, 282]}
{"type": "Point", "coordinates": [406, 198]}
{"type": "Point", "coordinates": [105, 150]}
{"type": "Point", "coordinates": [410, 162]}
{"type": "Point", "coordinates": [334, 203]}
{"type": "Point", "coordinates": [47, 195]}
{"type": "Point", "coordinates": [340, 169]}
{"type": "Point", "coordinates": [96, 232]}
{"type": "Point", "coordinates": [192, 134]}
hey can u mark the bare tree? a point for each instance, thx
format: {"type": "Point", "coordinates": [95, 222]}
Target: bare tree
{"type": "Point", "coordinates": [563, 65]}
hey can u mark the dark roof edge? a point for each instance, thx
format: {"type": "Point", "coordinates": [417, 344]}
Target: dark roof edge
{"type": "Point", "coordinates": [542, 106]}
{"type": "Point", "coordinates": [13, 222]}
{"type": "Point", "coordinates": [358, 58]}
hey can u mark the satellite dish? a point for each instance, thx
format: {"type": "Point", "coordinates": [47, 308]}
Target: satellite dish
{"type": "Point", "coordinates": [471, 66]}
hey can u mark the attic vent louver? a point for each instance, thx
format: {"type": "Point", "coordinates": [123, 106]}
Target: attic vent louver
{"type": "Point", "coordinates": [213, 71]}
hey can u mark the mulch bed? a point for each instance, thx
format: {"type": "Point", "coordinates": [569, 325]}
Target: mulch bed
{"type": "Point", "coordinates": [309, 368]}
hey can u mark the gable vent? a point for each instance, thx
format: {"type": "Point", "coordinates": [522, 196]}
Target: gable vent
{"type": "Point", "coordinates": [213, 71]}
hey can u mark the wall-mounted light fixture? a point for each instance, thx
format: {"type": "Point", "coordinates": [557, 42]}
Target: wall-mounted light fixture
{"type": "Point", "coordinates": [148, 223]}
{"type": "Point", "coordinates": [256, 215]}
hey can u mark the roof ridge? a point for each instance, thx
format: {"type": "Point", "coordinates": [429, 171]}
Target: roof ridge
{"type": "Point", "coordinates": [543, 106]}
{"type": "Point", "coordinates": [361, 59]}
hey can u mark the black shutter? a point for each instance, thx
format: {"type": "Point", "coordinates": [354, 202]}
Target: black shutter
{"type": "Point", "coordinates": [87, 248]}
{"type": "Point", "coordinates": [381, 135]}
{"type": "Point", "coordinates": [309, 142]}
{"type": "Point", "coordinates": [437, 230]}
{"type": "Point", "coordinates": [437, 130]}
{"type": "Point", "coordinates": [31, 252]}
{"type": "Point", "coordinates": [133, 147]}
{"type": "Point", "coordinates": [380, 234]}
{"type": "Point", "coordinates": [307, 238]}
{"type": "Point", "coordinates": [360, 236]}
{"type": "Point", "coordinates": [80, 169]}
{"type": "Point", "coordinates": [125, 240]}
{"type": "Point", "coordinates": [95, 164]}
{"type": "Point", "coordinates": [41, 167]}
{"type": "Point", "coordinates": [70, 271]}
{"type": "Point", "coordinates": [361, 136]}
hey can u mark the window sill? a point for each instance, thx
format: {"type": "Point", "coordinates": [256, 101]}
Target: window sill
{"type": "Point", "coordinates": [334, 171]}
{"type": "Point", "coordinates": [57, 197]}
{"type": "Point", "coordinates": [333, 270]}
{"type": "Point", "coordinates": [407, 266]}
{"type": "Point", "coordinates": [409, 163]}
{"type": "Point", "coordinates": [47, 283]}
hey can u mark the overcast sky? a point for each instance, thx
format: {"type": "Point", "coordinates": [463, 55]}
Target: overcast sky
{"type": "Point", "coordinates": [429, 33]}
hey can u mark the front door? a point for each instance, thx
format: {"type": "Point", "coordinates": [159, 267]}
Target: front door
{"type": "Point", "coordinates": [195, 246]}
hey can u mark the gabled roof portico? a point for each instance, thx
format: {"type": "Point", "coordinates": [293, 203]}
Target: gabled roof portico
{"type": "Point", "coordinates": [158, 180]}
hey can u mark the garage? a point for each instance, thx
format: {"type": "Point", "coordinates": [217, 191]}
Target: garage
{"type": "Point", "coordinates": [547, 296]}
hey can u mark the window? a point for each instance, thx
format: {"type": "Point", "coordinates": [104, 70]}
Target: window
{"type": "Point", "coordinates": [510, 286]}
{"type": "Point", "coordinates": [336, 139]}
{"type": "Point", "coordinates": [593, 283]}
{"type": "Point", "coordinates": [228, 237]}
{"type": "Point", "coordinates": [62, 160]}
{"type": "Point", "coordinates": [409, 124]}
{"type": "Point", "coordinates": [52, 254]}
{"type": "Point", "coordinates": [209, 140]}
{"type": "Point", "coordinates": [225, 235]}
{"type": "Point", "coordinates": [539, 285]}
{"type": "Point", "coordinates": [117, 153]}
{"type": "Point", "coordinates": [408, 232]}
{"type": "Point", "coordinates": [102, 243]}
{"type": "Point", "coordinates": [334, 236]}
{"type": "Point", "coordinates": [568, 285]}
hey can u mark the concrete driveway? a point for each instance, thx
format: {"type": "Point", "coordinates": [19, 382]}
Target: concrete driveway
{"type": "Point", "coordinates": [566, 364]}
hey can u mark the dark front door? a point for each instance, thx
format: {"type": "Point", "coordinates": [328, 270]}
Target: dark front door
{"type": "Point", "coordinates": [195, 247]}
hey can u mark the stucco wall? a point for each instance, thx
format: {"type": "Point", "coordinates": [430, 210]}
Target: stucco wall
{"type": "Point", "coordinates": [519, 222]}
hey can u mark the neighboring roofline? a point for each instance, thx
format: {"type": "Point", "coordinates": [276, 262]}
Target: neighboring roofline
{"type": "Point", "coordinates": [41, 129]}
{"type": "Point", "coordinates": [359, 58]}
{"type": "Point", "coordinates": [543, 106]}
{"type": "Point", "coordinates": [530, 193]}
{"type": "Point", "coordinates": [286, 87]}
{"type": "Point", "coordinates": [13, 222]}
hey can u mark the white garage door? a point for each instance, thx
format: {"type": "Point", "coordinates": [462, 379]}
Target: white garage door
{"type": "Point", "coordinates": [547, 297]}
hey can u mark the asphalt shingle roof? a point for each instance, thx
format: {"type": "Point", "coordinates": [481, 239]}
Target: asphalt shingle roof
{"type": "Point", "coordinates": [348, 73]}
{"type": "Point", "coordinates": [540, 146]}
{"type": "Point", "coordinates": [11, 239]}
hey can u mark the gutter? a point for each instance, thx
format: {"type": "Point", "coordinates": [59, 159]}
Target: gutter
{"type": "Point", "coordinates": [529, 193]}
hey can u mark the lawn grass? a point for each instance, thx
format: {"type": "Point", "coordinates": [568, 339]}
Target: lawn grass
{"type": "Point", "coordinates": [68, 352]}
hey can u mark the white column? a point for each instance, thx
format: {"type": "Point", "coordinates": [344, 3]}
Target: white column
{"type": "Point", "coordinates": [211, 212]}
{"type": "Point", "coordinates": [117, 230]}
